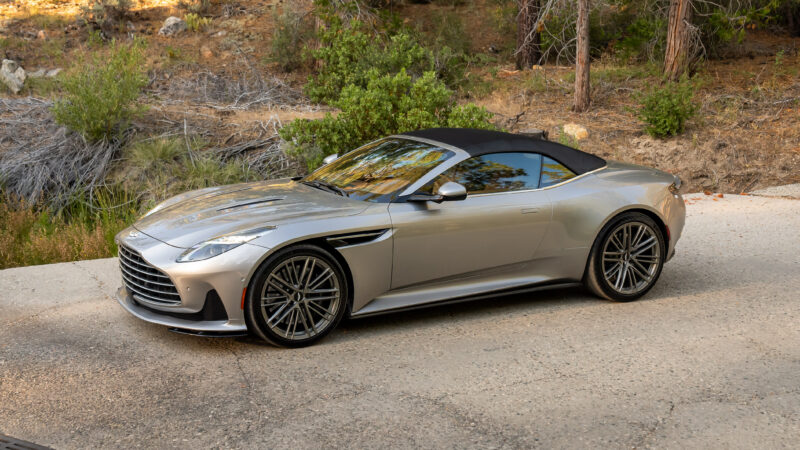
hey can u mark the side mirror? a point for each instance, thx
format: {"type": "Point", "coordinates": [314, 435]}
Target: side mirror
{"type": "Point", "coordinates": [330, 158]}
{"type": "Point", "coordinates": [449, 191]}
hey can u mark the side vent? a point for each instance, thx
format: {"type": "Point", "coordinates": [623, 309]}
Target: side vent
{"type": "Point", "coordinates": [359, 237]}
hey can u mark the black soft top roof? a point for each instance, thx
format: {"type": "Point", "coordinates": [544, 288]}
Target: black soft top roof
{"type": "Point", "coordinates": [482, 142]}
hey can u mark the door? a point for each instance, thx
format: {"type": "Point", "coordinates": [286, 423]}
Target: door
{"type": "Point", "coordinates": [500, 223]}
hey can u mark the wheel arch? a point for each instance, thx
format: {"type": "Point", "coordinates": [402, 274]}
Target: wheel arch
{"type": "Point", "coordinates": [318, 242]}
{"type": "Point", "coordinates": [662, 226]}
{"type": "Point", "coordinates": [651, 213]}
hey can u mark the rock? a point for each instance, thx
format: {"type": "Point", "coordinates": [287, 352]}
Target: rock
{"type": "Point", "coordinates": [219, 33]}
{"type": "Point", "coordinates": [575, 131]}
{"type": "Point", "coordinates": [206, 52]}
{"type": "Point", "coordinates": [37, 74]}
{"type": "Point", "coordinates": [534, 133]}
{"type": "Point", "coordinates": [12, 75]}
{"type": "Point", "coordinates": [172, 26]}
{"type": "Point", "coordinates": [21, 75]}
{"type": "Point", "coordinates": [53, 72]}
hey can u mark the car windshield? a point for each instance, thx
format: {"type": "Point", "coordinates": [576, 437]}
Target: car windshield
{"type": "Point", "coordinates": [377, 172]}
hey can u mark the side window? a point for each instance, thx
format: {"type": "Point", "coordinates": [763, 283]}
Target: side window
{"type": "Point", "coordinates": [497, 172]}
{"type": "Point", "coordinates": [553, 172]}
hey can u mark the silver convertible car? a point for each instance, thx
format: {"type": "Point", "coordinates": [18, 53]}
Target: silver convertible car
{"type": "Point", "coordinates": [418, 219]}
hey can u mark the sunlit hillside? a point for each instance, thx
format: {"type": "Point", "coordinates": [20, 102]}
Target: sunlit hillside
{"type": "Point", "coordinates": [207, 99]}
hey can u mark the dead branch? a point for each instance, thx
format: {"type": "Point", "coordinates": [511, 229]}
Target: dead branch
{"type": "Point", "coordinates": [41, 162]}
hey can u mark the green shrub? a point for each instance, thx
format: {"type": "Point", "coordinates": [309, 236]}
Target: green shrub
{"type": "Point", "coordinates": [349, 52]}
{"type": "Point", "coordinates": [196, 23]}
{"type": "Point", "coordinates": [348, 49]}
{"type": "Point", "coordinates": [665, 109]}
{"type": "Point", "coordinates": [382, 85]}
{"type": "Point", "coordinates": [644, 40]}
{"type": "Point", "coordinates": [470, 116]}
{"type": "Point", "coordinates": [344, 53]}
{"type": "Point", "coordinates": [292, 31]}
{"type": "Point", "coordinates": [99, 100]}
{"type": "Point", "coordinates": [389, 104]}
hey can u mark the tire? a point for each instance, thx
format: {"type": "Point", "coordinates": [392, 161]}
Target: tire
{"type": "Point", "coordinates": [624, 265]}
{"type": "Point", "coordinates": [280, 306]}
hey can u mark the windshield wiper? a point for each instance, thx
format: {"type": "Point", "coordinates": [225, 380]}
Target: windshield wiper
{"type": "Point", "coordinates": [326, 187]}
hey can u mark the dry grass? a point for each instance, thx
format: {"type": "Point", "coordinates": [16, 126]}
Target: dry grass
{"type": "Point", "coordinates": [28, 238]}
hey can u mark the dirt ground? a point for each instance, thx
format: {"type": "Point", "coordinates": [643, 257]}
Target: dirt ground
{"type": "Point", "coordinates": [746, 135]}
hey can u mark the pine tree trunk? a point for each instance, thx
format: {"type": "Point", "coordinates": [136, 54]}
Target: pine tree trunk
{"type": "Point", "coordinates": [582, 62]}
{"type": "Point", "coordinates": [676, 58]}
{"type": "Point", "coordinates": [793, 18]}
{"type": "Point", "coordinates": [528, 39]}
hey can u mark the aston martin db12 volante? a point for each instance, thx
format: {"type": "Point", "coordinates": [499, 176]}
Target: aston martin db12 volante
{"type": "Point", "coordinates": [417, 219]}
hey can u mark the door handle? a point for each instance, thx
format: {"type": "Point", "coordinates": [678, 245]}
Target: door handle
{"type": "Point", "coordinates": [531, 210]}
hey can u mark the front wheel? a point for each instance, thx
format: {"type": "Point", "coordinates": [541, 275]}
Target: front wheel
{"type": "Point", "coordinates": [296, 297]}
{"type": "Point", "coordinates": [626, 258]}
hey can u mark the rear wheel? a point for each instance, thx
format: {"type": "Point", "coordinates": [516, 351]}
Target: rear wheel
{"type": "Point", "coordinates": [296, 297]}
{"type": "Point", "coordinates": [626, 258]}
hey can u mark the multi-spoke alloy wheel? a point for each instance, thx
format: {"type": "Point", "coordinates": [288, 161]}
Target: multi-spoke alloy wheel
{"type": "Point", "coordinates": [297, 297]}
{"type": "Point", "coordinates": [627, 258]}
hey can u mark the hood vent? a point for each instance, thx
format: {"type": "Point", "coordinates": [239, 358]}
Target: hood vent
{"type": "Point", "coordinates": [250, 203]}
{"type": "Point", "coordinates": [359, 237]}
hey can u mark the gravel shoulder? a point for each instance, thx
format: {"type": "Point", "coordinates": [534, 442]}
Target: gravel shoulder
{"type": "Point", "coordinates": [709, 359]}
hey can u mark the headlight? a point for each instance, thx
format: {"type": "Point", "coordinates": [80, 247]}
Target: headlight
{"type": "Point", "coordinates": [221, 244]}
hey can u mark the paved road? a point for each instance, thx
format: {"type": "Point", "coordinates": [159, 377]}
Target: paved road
{"type": "Point", "coordinates": [710, 358]}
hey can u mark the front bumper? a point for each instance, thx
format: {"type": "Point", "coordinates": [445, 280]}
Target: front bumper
{"type": "Point", "coordinates": [149, 315]}
{"type": "Point", "coordinates": [224, 277]}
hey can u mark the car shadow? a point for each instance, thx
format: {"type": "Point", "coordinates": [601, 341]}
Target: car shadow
{"type": "Point", "coordinates": [525, 303]}
{"type": "Point", "coordinates": [676, 281]}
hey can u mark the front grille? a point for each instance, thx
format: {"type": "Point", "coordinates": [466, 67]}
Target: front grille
{"type": "Point", "coordinates": [144, 281]}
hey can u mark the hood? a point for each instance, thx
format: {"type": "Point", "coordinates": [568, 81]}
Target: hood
{"type": "Point", "coordinates": [242, 207]}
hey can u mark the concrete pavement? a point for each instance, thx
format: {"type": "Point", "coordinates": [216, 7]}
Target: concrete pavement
{"type": "Point", "coordinates": [709, 359]}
